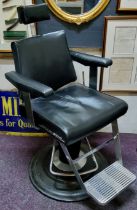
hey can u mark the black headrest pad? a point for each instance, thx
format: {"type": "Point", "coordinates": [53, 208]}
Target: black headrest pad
{"type": "Point", "coordinates": [33, 13]}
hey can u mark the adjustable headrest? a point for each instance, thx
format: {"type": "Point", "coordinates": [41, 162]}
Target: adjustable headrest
{"type": "Point", "coordinates": [33, 13]}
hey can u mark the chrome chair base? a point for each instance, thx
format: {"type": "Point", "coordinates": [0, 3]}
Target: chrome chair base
{"type": "Point", "coordinates": [59, 187]}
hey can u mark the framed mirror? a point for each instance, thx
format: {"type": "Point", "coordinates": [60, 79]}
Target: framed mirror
{"type": "Point", "coordinates": [77, 11]}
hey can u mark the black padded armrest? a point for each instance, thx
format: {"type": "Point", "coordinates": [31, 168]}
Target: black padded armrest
{"type": "Point", "coordinates": [90, 60]}
{"type": "Point", "coordinates": [28, 85]}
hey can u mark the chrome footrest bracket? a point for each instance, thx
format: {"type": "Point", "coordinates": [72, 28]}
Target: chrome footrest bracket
{"type": "Point", "coordinates": [107, 184]}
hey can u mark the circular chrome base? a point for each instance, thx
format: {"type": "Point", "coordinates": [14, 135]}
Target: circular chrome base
{"type": "Point", "coordinates": [56, 187]}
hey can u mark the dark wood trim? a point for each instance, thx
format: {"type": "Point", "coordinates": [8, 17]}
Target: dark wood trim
{"type": "Point", "coordinates": [121, 17]}
{"type": "Point", "coordinates": [118, 4]}
{"type": "Point", "coordinates": [127, 10]}
{"type": "Point", "coordinates": [5, 51]}
{"type": "Point", "coordinates": [33, 1]}
{"type": "Point", "coordinates": [7, 55]}
{"type": "Point", "coordinates": [121, 91]}
{"type": "Point", "coordinates": [103, 52]}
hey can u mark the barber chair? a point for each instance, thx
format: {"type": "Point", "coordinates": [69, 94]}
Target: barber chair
{"type": "Point", "coordinates": [70, 169]}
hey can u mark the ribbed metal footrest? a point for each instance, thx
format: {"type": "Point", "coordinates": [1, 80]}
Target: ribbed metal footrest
{"type": "Point", "coordinates": [107, 184]}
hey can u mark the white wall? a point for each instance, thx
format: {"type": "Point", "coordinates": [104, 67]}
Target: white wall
{"type": "Point", "coordinates": [6, 65]}
{"type": "Point", "coordinates": [128, 122]}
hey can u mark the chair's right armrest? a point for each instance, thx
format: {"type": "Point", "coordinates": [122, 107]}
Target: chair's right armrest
{"type": "Point", "coordinates": [28, 85]}
{"type": "Point", "coordinates": [90, 60]}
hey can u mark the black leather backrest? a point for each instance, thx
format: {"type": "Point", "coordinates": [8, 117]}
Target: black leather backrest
{"type": "Point", "coordinates": [45, 58]}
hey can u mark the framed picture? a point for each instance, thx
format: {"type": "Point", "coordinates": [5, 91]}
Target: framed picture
{"type": "Point", "coordinates": [10, 29]}
{"type": "Point", "coordinates": [127, 5]}
{"type": "Point", "coordinates": [120, 44]}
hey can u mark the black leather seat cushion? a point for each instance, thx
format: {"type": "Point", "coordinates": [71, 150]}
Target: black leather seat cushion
{"type": "Point", "coordinates": [76, 111]}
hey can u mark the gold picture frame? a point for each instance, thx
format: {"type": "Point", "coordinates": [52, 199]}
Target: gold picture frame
{"type": "Point", "coordinates": [77, 19]}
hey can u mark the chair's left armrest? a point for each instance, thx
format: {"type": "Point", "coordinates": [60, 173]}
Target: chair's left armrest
{"type": "Point", "coordinates": [90, 60]}
{"type": "Point", "coordinates": [28, 85]}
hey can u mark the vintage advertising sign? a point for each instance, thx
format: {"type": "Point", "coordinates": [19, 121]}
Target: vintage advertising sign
{"type": "Point", "coordinates": [10, 118]}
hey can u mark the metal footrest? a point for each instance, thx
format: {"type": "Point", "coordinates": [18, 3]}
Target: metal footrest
{"type": "Point", "coordinates": [107, 184]}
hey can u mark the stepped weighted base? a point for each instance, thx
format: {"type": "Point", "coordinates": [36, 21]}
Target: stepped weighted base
{"type": "Point", "coordinates": [107, 184]}
{"type": "Point", "coordinates": [60, 188]}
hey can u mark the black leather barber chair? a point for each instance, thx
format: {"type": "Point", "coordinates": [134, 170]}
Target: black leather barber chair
{"type": "Point", "coordinates": [70, 169]}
